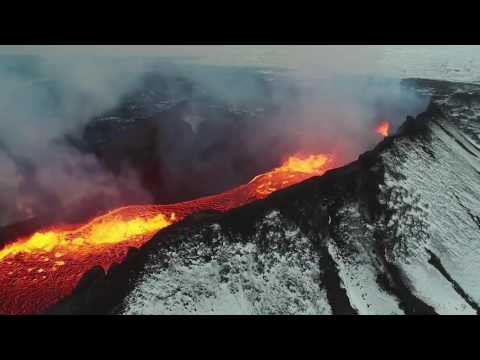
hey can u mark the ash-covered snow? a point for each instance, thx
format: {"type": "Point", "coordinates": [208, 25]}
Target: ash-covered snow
{"type": "Point", "coordinates": [273, 272]}
{"type": "Point", "coordinates": [357, 265]}
{"type": "Point", "coordinates": [434, 196]}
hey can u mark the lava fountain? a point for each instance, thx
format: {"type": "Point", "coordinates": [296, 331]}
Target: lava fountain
{"type": "Point", "coordinates": [383, 128]}
{"type": "Point", "coordinates": [39, 270]}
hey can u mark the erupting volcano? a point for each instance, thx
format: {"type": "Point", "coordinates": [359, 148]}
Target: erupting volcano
{"type": "Point", "coordinates": [39, 270]}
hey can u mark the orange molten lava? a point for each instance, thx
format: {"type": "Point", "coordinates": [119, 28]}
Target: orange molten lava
{"type": "Point", "coordinates": [383, 129]}
{"type": "Point", "coordinates": [39, 270]}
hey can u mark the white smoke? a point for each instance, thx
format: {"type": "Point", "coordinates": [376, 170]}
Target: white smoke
{"type": "Point", "coordinates": [41, 100]}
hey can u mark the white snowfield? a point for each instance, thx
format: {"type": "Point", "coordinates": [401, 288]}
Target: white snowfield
{"type": "Point", "coordinates": [442, 62]}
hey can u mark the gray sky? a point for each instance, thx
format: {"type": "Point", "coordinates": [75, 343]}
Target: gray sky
{"type": "Point", "coordinates": [449, 62]}
{"type": "Point", "coordinates": [299, 57]}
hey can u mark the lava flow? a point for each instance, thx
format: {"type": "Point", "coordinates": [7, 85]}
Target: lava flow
{"type": "Point", "coordinates": [39, 270]}
{"type": "Point", "coordinates": [383, 129]}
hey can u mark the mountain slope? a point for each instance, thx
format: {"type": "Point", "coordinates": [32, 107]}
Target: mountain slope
{"type": "Point", "coordinates": [395, 232]}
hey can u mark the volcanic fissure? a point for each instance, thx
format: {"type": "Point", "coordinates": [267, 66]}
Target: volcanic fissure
{"type": "Point", "coordinates": [38, 270]}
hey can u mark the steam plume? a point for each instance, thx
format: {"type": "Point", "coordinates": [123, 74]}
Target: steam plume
{"type": "Point", "coordinates": [311, 99]}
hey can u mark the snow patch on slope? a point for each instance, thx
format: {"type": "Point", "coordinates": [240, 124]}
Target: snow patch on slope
{"type": "Point", "coordinates": [357, 265]}
{"type": "Point", "coordinates": [273, 272]}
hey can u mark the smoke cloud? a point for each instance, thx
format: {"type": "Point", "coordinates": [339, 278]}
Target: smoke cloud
{"type": "Point", "coordinates": [42, 100]}
{"type": "Point", "coordinates": [210, 125]}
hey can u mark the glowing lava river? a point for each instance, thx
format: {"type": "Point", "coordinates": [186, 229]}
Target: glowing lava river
{"type": "Point", "coordinates": [39, 270]}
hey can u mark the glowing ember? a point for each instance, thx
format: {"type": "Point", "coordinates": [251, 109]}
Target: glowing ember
{"type": "Point", "coordinates": [383, 129]}
{"type": "Point", "coordinates": [37, 271]}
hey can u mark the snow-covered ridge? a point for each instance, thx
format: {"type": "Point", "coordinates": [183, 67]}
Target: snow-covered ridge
{"type": "Point", "coordinates": [433, 196]}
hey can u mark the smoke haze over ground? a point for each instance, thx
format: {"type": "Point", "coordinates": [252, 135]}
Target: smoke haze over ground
{"type": "Point", "coordinates": [210, 126]}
